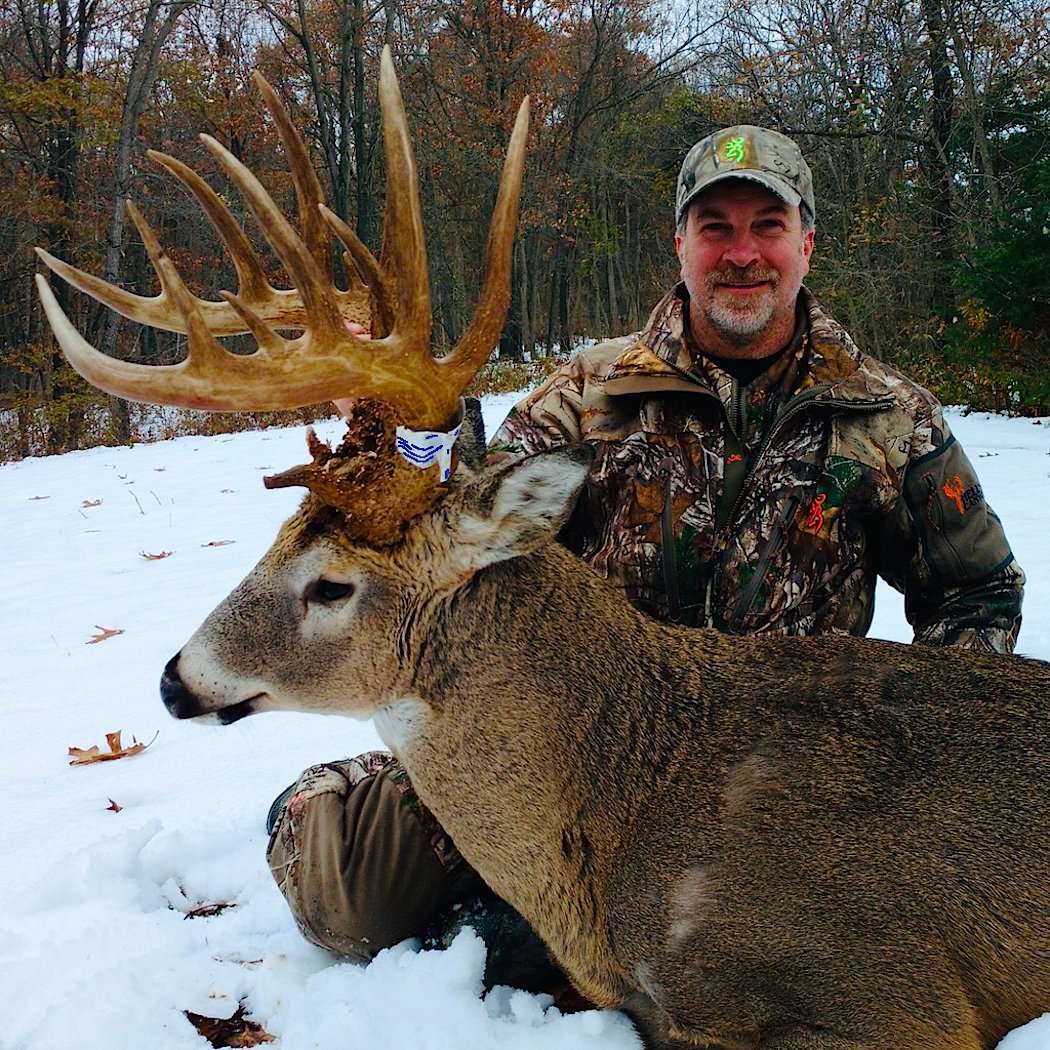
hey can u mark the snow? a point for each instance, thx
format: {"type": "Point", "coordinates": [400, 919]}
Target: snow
{"type": "Point", "coordinates": [95, 946]}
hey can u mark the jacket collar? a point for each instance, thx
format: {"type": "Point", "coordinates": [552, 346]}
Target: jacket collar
{"type": "Point", "coordinates": [662, 360]}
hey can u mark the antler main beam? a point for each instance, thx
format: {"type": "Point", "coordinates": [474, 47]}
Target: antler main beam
{"type": "Point", "coordinates": [325, 362]}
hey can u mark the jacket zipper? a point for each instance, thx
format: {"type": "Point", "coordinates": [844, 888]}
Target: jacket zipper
{"type": "Point", "coordinates": [667, 542]}
{"type": "Point", "coordinates": [720, 547]}
{"type": "Point", "coordinates": [747, 596]}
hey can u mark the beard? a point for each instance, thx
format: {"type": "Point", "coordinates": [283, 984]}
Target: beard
{"type": "Point", "coordinates": [740, 321]}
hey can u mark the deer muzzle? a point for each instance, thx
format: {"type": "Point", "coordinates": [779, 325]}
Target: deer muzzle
{"type": "Point", "coordinates": [182, 703]}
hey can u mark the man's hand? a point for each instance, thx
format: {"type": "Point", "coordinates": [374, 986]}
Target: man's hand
{"type": "Point", "coordinates": [342, 404]}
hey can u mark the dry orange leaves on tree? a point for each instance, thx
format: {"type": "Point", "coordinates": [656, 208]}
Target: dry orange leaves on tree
{"type": "Point", "coordinates": [80, 756]}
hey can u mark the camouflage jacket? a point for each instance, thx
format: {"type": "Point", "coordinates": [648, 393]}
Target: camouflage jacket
{"type": "Point", "coordinates": [771, 507]}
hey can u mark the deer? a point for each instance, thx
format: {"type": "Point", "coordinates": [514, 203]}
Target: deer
{"type": "Point", "coordinates": [746, 843]}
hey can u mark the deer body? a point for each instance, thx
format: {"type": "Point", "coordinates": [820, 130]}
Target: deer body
{"type": "Point", "coordinates": [746, 831]}
{"type": "Point", "coordinates": [748, 843]}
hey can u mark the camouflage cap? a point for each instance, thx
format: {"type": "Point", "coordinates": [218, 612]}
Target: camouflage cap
{"type": "Point", "coordinates": [746, 152]}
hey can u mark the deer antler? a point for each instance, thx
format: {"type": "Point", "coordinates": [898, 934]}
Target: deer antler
{"type": "Point", "coordinates": [282, 308]}
{"type": "Point", "coordinates": [325, 362]}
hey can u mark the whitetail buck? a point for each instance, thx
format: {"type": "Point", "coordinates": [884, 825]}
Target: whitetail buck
{"type": "Point", "coordinates": [825, 844]}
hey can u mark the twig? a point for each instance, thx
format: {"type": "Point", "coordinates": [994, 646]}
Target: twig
{"type": "Point", "coordinates": [136, 499]}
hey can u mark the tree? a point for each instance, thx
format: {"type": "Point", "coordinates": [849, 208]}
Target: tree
{"type": "Point", "coordinates": [157, 27]}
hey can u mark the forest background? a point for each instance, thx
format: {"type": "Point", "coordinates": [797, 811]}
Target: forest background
{"type": "Point", "coordinates": [925, 122]}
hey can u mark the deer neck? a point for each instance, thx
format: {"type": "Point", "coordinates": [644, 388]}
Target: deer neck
{"type": "Point", "coordinates": [511, 740]}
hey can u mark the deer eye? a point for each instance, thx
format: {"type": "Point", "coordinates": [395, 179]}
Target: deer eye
{"type": "Point", "coordinates": [325, 592]}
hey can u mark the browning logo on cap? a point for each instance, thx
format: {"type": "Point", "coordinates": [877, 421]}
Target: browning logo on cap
{"type": "Point", "coordinates": [735, 149]}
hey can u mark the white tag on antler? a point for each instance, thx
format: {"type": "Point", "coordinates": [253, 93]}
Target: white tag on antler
{"type": "Point", "coordinates": [423, 448]}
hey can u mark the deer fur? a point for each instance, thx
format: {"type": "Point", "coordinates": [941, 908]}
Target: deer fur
{"type": "Point", "coordinates": [748, 843]}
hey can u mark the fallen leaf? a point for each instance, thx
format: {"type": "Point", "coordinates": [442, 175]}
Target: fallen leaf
{"type": "Point", "coordinates": [159, 556]}
{"type": "Point", "coordinates": [218, 543]}
{"type": "Point", "coordinates": [206, 911]}
{"type": "Point", "coordinates": [115, 806]}
{"type": "Point", "coordinates": [81, 756]}
{"type": "Point", "coordinates": [230, 1031]}
{"type": "Point", "coordinates": [106, 632]}
{"type": "Point", "coordinates": [92, 503]}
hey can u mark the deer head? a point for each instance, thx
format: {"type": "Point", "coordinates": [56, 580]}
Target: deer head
{"type": "Point", "coordinates": [333, 625]}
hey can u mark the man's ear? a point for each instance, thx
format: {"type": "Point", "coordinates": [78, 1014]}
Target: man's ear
{"type": "Point", "coordinates": [517, 507]}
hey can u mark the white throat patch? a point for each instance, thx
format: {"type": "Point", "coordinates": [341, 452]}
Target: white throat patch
{"type": "Point", "coordinates": [399, 721]}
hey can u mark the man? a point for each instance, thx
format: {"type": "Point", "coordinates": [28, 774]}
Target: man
{"type": "Point", "coordinates": [754, 472]}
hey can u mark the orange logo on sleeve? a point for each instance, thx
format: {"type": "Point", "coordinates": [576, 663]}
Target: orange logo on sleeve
{"type": "Point", "coordinates": [954, 489]}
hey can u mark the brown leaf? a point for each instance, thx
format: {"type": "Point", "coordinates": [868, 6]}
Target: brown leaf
{"type": "Point", "coordinates": [107, 632]}
{"type": "Point", "coordinates": [92, 503]}
{"type": "Point", "coordinates": [230, 1031]}
{"type": "Point", "coordinates": [115, 806]}
{"type": "Point", "coordinates": [206, 911]}
{"type": "Point", "coordinates": [218, 543]}
{"type": "Point", "coordinates": [159, 556]}
{"type": "Point", "coordinates": [79, 756]}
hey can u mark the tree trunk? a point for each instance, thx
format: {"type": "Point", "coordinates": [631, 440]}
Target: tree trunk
{"type": "Point", "coordinates": [938, 153]}
{"type": "Point", "coordinates": [141, 76]}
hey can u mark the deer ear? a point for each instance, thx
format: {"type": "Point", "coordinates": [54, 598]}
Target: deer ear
{"type": "Point", "coordinates": [519, 506]}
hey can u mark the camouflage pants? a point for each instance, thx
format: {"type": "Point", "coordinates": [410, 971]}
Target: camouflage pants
{"type": "Point", "coordinates": [364, 864]}
{"type": "Point", "coordinates": [361, 861]}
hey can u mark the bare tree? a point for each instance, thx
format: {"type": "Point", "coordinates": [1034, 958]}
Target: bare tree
{"type": "Point", "coordinates": [160, 19]}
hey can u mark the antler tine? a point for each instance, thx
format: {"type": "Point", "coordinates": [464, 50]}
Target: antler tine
{"type": "Point", "coordinates": [367, 267]}
{"type": "Point", "coordinates": [482, 334]}
{"type": "Point", "coordinates": [269, 341]}
{"type": "Point", "coordinates": [318, 295]}
{"type": "Point", "coordinates": [404, 245]}
{"type": "Point", "coordinates": [107, 373]}
{"type": "Point", "coordinates": [206, 357]}
{"type": "Point", "coordinates": [250, 277]}
{"type": "Point", "coordinates": [307, 188]}
{"type": "Point", "coordinates": [154, 310]}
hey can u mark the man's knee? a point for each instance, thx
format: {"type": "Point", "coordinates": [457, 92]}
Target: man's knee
{"type": "Point", "coordinates": [362, 863]}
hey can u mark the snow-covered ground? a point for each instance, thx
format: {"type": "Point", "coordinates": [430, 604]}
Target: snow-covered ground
{"type": "Point", "coordinates": [95, 951]}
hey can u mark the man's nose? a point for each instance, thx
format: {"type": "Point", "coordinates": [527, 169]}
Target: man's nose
{"type": "Point", "coordinates": [742, 250]}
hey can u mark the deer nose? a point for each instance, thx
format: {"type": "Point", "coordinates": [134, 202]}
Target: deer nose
{"type": "Point", "coordinates": [179, 701]}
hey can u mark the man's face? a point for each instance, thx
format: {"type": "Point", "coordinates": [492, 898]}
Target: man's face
{"type": "Point", "coordinates": [743, 255]}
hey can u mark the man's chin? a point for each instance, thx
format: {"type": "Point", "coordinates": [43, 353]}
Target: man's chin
{"type": "Point", "coordinates": [741, 325]}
